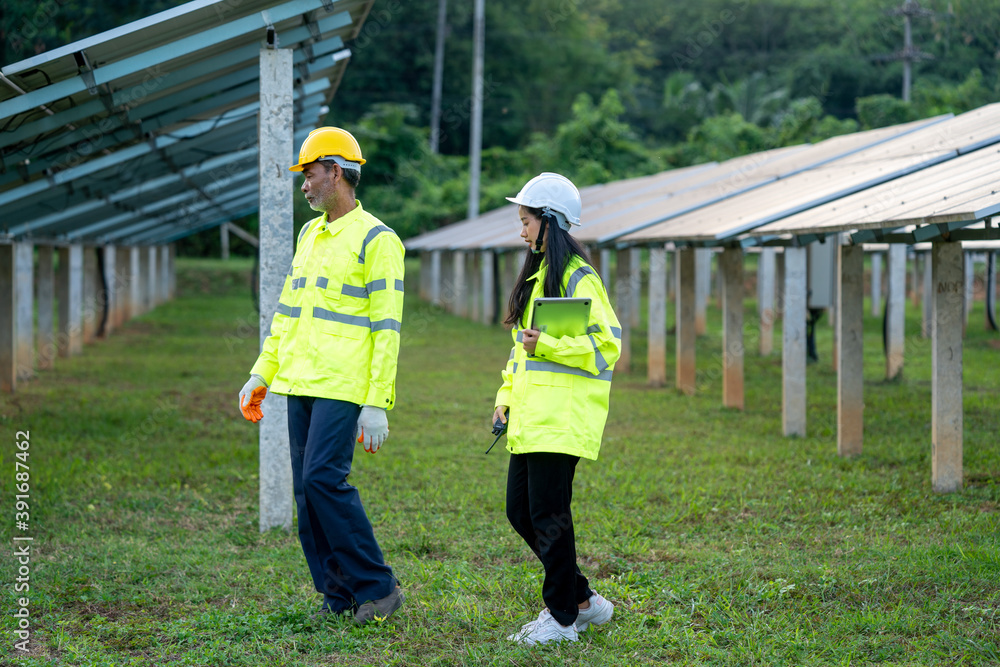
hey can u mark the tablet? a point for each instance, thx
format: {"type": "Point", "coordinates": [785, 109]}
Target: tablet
{"type": "Point", "coordinates": [560, 317]}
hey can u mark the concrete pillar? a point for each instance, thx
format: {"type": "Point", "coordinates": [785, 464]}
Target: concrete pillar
{"type": "Point", "coordinates": [460, 306]}
{"type": "Point", "coordinates": [656, 353]}
{"type": "Point", "coordinates": [109, 299]}
{"type": "Point", "coordinates": [475, 285]}
{"type": "Point", "coordinates": [991, 286]}
{"type": "Point", "coordinates": [24, 303]}
{"type": "Point", "coordinates": [605, 268]}
{"type": "Point", "coordinates": [685, 332]}
{"type": "Point", "coordinates": [45, 295]}
{"type": "Point", "coordinates": [876, 284]}
{"type": "Point", "coordinates": [275, 138]}
{"type": "Point", "coordinates": [8, 332]}
{"type": "Point", "coordinates": [623, 308]}
{"type": "Point", "coordinates": [703, 286]}
{"type": "Point", "coordinates": [946, 363]}
{"type": "Point", "coordinates": [635, 285]}
{"type": "Point", "coordinates": [895, 324]}
{"type": "Point", "coordinates": [731, 280]}
{"type": "Point", "coordinates": [90, 283]}
{"type": "Point", "coordinates": [915, 284]}
{"type": "Point", "coordinates": [435, 292]}
{"type": "Point", "coordinates": [69, 292]}
{"type": "Point", "coordinates": [172, 271]}
{"type": "Point", "coordinates": [779, 285]}
{"type": "Point", "coordinates": [139, 276]}
{"type": "Point", "coordinates": [224, 239]}
{"type": "Point", "coordinates": [793, 345]}
{"type": "Point", "coordinates": [164, 266]}
{"type": "Point", "coordinates": [488, 287]}
{"type": "Point", "coordinates": [969, 293]}
{"type": "Point", "coordinates": [850, 349]}
{"type": "Point", "coordinates": [152, 280]}
{"type": "Point", "coordinates": [928, 293]}
{"type": "Point", "coordinates": [766, 290]}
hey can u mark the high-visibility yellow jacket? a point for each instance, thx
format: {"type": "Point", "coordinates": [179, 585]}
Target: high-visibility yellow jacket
{"type": "Point", "coordinates": [335, 333]}
{"type": "Point", "coordinates": [558, 397]}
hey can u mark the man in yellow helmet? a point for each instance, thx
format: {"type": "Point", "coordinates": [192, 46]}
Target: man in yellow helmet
{"type": "Point", "coordinates": [332, 350]}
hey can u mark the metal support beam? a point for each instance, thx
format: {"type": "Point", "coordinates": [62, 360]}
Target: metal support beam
{"type": "Point", "coordinates": [275, 139]}
{"type": "Point", "coordinates": [946, 371]}
{"type": "Point", "coordinates": [850, 349]}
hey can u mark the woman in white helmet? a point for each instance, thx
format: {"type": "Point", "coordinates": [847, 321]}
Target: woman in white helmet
{"type": "Point", "coordinates": [557, 393]}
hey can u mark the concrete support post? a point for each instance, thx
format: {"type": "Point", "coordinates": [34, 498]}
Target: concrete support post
{"type": "Point", "coordinates": [110, 295]}
{"type": "Point", "coordinates": [45, 294]}
{"type": "Point", "coordinates": [164, 266]}
{"type": "Point", "coordinates": [635, 285]}
{"type": "Point", "coordinates": [915, 285]}
{"type": "Point", "coordinates": [703, 286]}
{"type": "Point", "coordinates": [69, 291]}
{"type": "Point", "coordinates": [275, 138]}
{"type": "Point", "coordinates": [731, 279]}
{"type": "Point", "coordinates": [605, 268]}
{"type": "Point", "coordinates": [946, 367]}
{"type": "Point", "coordinates": [136, 278]}
{"type": "Point", "coordinates": [435, 293]}
{"type": "Point", "coordinates": [224, 239]}
{"type": "Point", "coordinates": [488, 287]}
{"type": "Point", "coordinates": [141, 304]}
{"type": "Point", "coordinates": [895, 322]}
{"type": "Point", "coordinates": [460, 307]}
{"type": "Point", "coordinates": [623, 308]}
{"type": "Point", "coordinates": [793, 344]}
{"type": "Point", "coordinates": [24, 300]}
{"type": "Point", "coordinates": [656, 353]}
{"type": "Point", "coordinates": [928, 293]}
{"type": "Point", "coordinates": [850, 349]}
{"type": "Point", "coordinates": [8, 332]}
{"type": "Point", "coordinates": [991, 286]}
{"type": "Point", "coordinates": [876, 284]}
{"type": "Point", "coordinates": [91, 283]}
{"type": "Point", "coordinates": [684, 320]}
{"type": "Point", "coordinates": [515, 262]}
{"type": "Point", "coordinates": [766, 290]}
{"type": "Point", "coordinates": [779, 285]}
{"type": "Point", "coordinates": [171, 271]}
{"type": "Point", "coordinates": [475, 286]}
{"type": "Point", "coordinates": [969, 292]}
{"type": "Point", "coordinates": [152, 280]}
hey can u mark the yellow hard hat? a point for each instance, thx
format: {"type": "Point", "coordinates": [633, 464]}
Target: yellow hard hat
{"type": "Point", "coordinates": [330, 143]}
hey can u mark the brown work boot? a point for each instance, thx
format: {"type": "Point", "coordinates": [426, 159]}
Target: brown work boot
{"type": "Point", "coordinates": [380, 609]}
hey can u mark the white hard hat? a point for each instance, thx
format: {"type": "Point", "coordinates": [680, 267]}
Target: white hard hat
{"type": "Point", "coordinates": [555, 193]}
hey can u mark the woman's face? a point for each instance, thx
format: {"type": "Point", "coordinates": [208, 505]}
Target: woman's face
{"type": "Point", "coordinates": [530, 226]}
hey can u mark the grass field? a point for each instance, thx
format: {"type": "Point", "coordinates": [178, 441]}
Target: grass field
{"type": "Point", "coordinates": [720, 541]}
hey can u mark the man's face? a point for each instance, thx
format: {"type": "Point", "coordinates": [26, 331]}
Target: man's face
{"type": "Point", "coordinates": [319, 185]}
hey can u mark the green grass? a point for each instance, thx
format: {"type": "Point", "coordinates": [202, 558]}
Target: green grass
{"type": "Point", "coordinates": [720, 541]}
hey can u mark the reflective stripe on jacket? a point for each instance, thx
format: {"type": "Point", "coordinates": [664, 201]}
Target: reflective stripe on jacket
{"type": "Point", "coordinates": [335, 333]}
{"type": "Point", "coordinates": [558, 398]}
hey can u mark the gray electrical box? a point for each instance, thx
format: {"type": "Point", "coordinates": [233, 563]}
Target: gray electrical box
{"type": "Point", "coordinates": [822, 272]}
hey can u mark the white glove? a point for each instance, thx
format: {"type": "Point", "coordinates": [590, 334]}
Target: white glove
{"type": "Point", "coordinates": [372, 428]}
{"type": "Point", "coordinates": [250, 399]}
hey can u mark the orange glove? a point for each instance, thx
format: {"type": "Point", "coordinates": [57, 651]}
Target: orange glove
{"type": "Point", "coordinates": [251, 396]}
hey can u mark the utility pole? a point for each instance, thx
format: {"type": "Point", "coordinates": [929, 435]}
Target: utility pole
{"type": "Point", "coordinates": [476, 131]}
{"type": "Point", "coordinates": [910, 10]}
{"type": "Point", "coordinates": [438, 76]}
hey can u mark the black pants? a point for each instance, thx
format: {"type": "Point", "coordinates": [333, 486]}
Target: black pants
{"type": "Point", "coordinates": [539, 494]}
{"type": "Point", "coordinates": [340, 548]}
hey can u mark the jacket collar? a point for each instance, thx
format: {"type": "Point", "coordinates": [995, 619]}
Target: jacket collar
{"type": "Point", "coordinates": [334, 227]}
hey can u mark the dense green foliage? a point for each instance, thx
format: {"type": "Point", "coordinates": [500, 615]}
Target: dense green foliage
{"type": "Point", "coordinates": [720, 541]}
{"type": "Point", "coordinates": [605, 89]}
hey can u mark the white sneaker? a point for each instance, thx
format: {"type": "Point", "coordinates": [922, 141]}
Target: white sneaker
{"type": "Point", "coordinates": [599, 612]}
{"type": "Point", "coordinates": [544, 630]}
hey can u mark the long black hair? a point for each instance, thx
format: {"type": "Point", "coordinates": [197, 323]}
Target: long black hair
{"type": "Point", "coordinates": [560, 248]}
